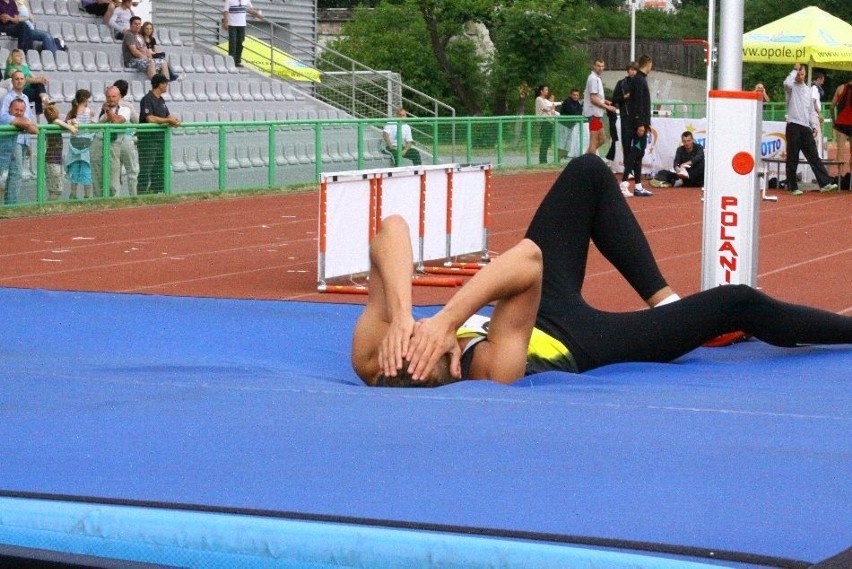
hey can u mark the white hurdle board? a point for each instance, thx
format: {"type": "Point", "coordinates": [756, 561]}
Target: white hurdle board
{"type": "Point", "coordinates": [445, 206]}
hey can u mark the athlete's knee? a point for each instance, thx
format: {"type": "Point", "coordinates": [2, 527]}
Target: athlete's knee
{"type": "Point", "coordinates": [741, 296]}
{"type": "Point", "coordinates": [393, 223]}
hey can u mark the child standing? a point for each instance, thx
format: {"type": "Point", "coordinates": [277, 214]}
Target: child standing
{"type": "Point", "coordinates": [53, 154]}
{"type": "Point", "coordinates": [79, 165]}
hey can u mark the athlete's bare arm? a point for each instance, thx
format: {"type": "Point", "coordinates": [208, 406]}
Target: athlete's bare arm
{"type": "Point", "coordinates": [384, 329]}
{"type": "Point", "coordinates": [386, 333]}
{"type": "Point", "coordinates": [513, 281]}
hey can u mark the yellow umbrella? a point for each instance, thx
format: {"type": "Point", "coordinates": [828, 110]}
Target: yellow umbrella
{"type": "Point", "coordinates": [809, 36]}
{"type": "Point", "coordinates": [270, 60]}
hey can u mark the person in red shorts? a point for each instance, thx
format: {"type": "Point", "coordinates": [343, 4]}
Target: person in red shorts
{"type": "Point", "coordinates": [594, 106]}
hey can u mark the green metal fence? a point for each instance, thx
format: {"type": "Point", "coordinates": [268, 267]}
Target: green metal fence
{"type": "Point", "coordinates": [227, 156]}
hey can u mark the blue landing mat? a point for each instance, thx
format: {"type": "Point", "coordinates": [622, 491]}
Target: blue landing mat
{"type": "Point", "coordinates": [252, 405]}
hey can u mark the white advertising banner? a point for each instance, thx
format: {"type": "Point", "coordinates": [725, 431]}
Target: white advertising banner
{"type": "Point", "coordinates": [665, 139]}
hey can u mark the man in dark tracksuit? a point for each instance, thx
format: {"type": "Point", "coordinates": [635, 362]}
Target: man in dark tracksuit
{"type": "Point", "coordinates": [640, 119]}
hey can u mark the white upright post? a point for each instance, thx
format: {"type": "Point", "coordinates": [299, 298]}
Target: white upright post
{"type": "Point", "coordinates": [633, 30]}
{"type": "Point", "coordinates": [731, 198]}
{"type": "Point", "coordinates": [731, 45]}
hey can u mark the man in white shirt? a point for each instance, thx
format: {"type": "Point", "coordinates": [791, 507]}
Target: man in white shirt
{"type": "Point", "coordinates": [234, 20]}
{"type": "Point", "coordinates": [11, 146]}
{"type": "Point", "coordinates": [802, 127]}
{"type": "Point", "coordinates": [594, 106]}
{"type": "Point", "coordinates": [391, 136]}
{"type": "Point", "coordinates": [122, 149]}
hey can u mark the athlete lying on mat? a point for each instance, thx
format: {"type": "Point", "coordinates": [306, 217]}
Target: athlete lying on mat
{"type": "Point", "coordinates": [540, 321]}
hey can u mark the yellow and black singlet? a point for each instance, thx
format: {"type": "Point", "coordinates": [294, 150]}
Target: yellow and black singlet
{"type": "Point", "coordinates": [544, 352]}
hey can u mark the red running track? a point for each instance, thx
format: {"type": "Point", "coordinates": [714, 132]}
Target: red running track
{"type": "Point", "coordinates": [265, 247]}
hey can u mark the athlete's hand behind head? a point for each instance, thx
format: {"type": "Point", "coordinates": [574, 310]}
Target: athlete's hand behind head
{"type": "Point", "coordinates": [395, 344]}
{"type": "Point", "coordinates": [432, 339]}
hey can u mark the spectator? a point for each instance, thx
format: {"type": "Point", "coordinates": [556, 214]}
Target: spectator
{"type": "Point", "coordinates": [572, 106]}
{"type": "Point", "coordinates": [621, 98]}
{"type": "Point", "coordinates": [36, 35]}
{"type": "Point", "coordinates": [123, 88]}
{"type": "Point", "coordinates": [79, 159]}
{"type": "Point", "coordinates": [544, 107]}
{"type": "Point", "coordinates": [390, 135]}
{"type": "Point", "coordinates": [761, 90]}
{"type": "Point", "coordinates": [569, 136]}
{"type": "Point", "coordinates": [801, 130]}
{"type": "Point", "coordinates": [12, 147]}
{"type": "Point", "coordinates": [137, 56]}
{"type": "Point", "coordinates": [119, 22]}
{"type": "Point", "coordinates": [817, 93]}
{"type": "Point", "coordinates": [688, 166]}
{"type": "Point", "coordinates": [234, 20]}
{"type": "Point", "coordinates": [54, 151]}
{"type": "Point", "coordinates": [122, 150]}
{"type": "Point", "coordinates": [594, 105]}
{"type": "Point", "coordinates": [34, 86]}
{"type": "Point", "coordinates": [640, 122]}
{"type": "Point", "coordinates": [153, 110]}
{"type": "Point", "coordinates": [13, 25]}
{"type": "Point", "coordinates": [102, 8]}
{"type": "Point", "coordinates": [840, 111]}
{"type": "Point", "coordinates": [147, 33]}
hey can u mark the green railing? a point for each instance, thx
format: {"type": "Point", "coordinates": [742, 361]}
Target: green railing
{"type": "Point", "coordinates": [225, 156]}
{"type": "Point", "coordinates": [229, 156]}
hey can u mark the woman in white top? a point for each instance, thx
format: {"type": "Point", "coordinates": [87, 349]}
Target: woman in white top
{"type": "Point", "coordinates": [120, 20]}
{"type": "Point", "coordinates": [545, 107]}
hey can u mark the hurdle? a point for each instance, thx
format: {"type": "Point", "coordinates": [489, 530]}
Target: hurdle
{"type": "Point", "coordinates": [446, 207]}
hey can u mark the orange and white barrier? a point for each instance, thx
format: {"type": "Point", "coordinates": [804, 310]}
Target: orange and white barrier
{"type": "Point", "coordinates": [732, 195]}
{"type": "Point", "coordinates": [446, 207]}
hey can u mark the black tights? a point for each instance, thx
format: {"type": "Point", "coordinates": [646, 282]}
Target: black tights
{"type": "Point", "coordinates": [585, 205]}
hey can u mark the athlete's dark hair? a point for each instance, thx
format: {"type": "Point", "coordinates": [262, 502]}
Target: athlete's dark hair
{"type": "Point", "coordinates": [440, 375]}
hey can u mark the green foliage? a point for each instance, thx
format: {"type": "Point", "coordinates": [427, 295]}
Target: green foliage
{"type": "Point", "coordinates": [535, 43]}
{"type": "Point", "coordinates": [528, 41]}
{"type": "Point", "coordinates": [393, 37]}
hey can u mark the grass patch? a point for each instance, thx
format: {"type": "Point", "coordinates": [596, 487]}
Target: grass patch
{"type": "Point", "coordinates": [101, 204]}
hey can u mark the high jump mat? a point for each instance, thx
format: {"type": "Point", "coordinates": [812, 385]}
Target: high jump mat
{"type": "Point", "coordinates": [194, 432]}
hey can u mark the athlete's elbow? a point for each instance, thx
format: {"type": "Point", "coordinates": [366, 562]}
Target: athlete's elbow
{"type": "Point", "coordinates": [531, 254]}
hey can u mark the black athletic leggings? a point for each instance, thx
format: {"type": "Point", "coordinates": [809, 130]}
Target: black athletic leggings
{"type": "Point", "coordinates": [585, 205]}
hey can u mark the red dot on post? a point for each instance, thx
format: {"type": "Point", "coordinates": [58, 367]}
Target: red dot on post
{"type": "Point", "coordinates": [742, 163]}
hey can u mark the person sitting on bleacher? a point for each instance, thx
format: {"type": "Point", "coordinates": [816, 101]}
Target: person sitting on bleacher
{"type": "Point", "coordinates": [137, 56]}
{"type": "Point", "coordinates": [12, 25]}
{"type": "Point", "coordinates": [390, 136]}
{"type": "Point", "coordinates": [47, 41]}
{"type": "Point", "coordinates": [102, 8]}
{"type": "Point", "coordinates": [34, 86]}
{"type": "Point", "coordinates": [120, 20]}
{"type": "Point", "coordinates": [147, 33]}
